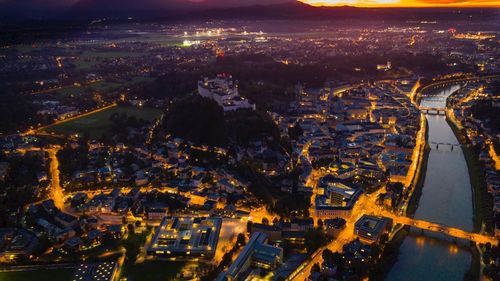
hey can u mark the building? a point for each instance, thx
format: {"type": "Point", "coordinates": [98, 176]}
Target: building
{"type": "Point", "coordinates": [257, 253]}
{"type": "Point", "coordinates": [296, 239]}
{"type": "Point", "coordinates": [4, 170]}
{"type": "Point", "coordinates": [273, 232]}
{"type": "Point", "coordinates": [103, 271]}
{"type": "Point", "coordinates": [156, 212]}
{"type": "Point", "coordinates": [66, 220]}
{"type": "Point", "coordinates": [224, 91]}
{"type": "Point", "coordinates": [335, 198]}
{"type": "Point", "coordinates": [297, 224]}
{"type": "Point", "coordinates": [370, 228]}
{"type": "Point", "coordinates": [74, 244]}
{"type": "Point", "coordinates": [357, 251]}
{"type": "Point", "coordinates": [384, 67]}
{"type": "Point", "coordinates": [115, 231]}
{"type": "Point", "coordinates": [186, 236]}
{"type": "Point", "coordinates": [334, 226]}
{"type": "Point", "coordinates": [16, 244]}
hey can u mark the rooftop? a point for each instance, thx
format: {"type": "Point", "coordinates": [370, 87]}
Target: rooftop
{"type": "Point", "coordinates": [103, 271]}
{"type": "Point", "coordinates": [186, 236]}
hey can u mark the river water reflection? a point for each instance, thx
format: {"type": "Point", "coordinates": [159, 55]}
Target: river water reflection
{"type": "Point", "coordinates": [446, 199]}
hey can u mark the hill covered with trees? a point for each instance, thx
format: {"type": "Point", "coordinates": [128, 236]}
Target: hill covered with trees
{"type": "Point", "coordinates": [202, 121]}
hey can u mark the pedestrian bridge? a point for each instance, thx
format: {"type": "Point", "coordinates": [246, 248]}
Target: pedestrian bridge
{"type": "Point", "coordinates": [440, 228]}
{"type": "Point", "coordinates": [433, 110]}
{"type": "Point", "coordinates": [445, 144]}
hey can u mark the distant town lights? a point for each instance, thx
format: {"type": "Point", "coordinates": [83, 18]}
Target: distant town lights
{"type": "Point", "coordinates": [187, 43]}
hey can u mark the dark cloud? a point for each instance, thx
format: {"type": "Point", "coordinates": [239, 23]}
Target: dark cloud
{"type": "Point", "coordinates": [142, 3]}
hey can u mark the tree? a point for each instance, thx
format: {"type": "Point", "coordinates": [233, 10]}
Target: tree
{"type": "Point", "coordinates": [320, 224]}
{"type": "Point", "coordinates": [241, 240]}
{"type": "Point", "coordinates": [131, 228]}
{"type": "Point", "coordinates": [316, 268]}
{"type": "Point", "coordinates": [287, 247]}
{"type": "Point", "coordinates": [314, 239]}
{"type": "Point", "coordinates": [487, 246]}
{"type": "Point", "coordinates": [290, 204]}
{"type": "Point", "coordinates": [384, 238]}
{"type": "Point", "coordinates": [247, 125]}
{"type": "Point", "coordinates": [16, 111]}
{"type": "Point", "coordinates": [197, 119]}
{"type": "Point", "coordinates": [202, 121]}
{"type": "Point", "coordinates": [295, 131]}
{"type": "Point", "coordinates": [249, 226]}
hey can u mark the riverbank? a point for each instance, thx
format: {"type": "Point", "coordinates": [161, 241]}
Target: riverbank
{"type": "Point", "coordinates": [418, 182]}
{"type": "Point", "coordinates": [391, 249]}
{"type": "Point", "coordinates": [406, 251]}
{"type": "Point", "coordinates": [481, 201]}
{"type": "Point", "coordinates": [389, 255]}
{"type": "Point", "coordinates": [474, 273]}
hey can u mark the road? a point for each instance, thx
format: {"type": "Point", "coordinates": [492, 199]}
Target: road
{"type": "Point", "coordinates": [415, 95]}
{"type": "Point", "coordinates": [56, 191]}
{"type": "Point", "coordinates": [436, 227]}
{"type": "Point", "coordinates": [366, 205]}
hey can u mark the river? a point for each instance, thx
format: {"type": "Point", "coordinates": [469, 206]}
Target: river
{"type": "Point", "coordinates": [446, 199]}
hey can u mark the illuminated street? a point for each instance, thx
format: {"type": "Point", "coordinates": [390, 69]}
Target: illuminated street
{"type": "Point", "coordinates": [56, 189]}
{"type": "Point", "coordinates": [249, 140]}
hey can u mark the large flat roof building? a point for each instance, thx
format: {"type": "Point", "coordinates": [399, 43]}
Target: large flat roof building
{"type": "Point", "coordinates": [370, 228]}
{"type": "Point", "coordinates": [186, 236]}
{"type": "Point", "coordinates": [101, 271]}
{"type": "Point", "coordinates": [256, 253]}
{"type": "Point", "coordinates": [336, 198]}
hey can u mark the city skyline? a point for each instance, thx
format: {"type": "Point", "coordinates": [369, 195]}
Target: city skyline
{"type": "Point", "coordinates": [216, 140]}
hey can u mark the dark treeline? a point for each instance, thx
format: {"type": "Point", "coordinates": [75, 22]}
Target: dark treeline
{"type": "Point", "coordinates": [202, 121]}
{"type": "Point", "coordinates": [16, 112]}
{"type": "Point", "coordinates": [278, 78]}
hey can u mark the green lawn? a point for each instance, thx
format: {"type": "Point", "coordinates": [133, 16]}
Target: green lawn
{"type": "Point", "coordinates": [88, 58]}
{"type": "Point", "coordinates": [23, 48]}
{"type": "Point", "coordinates": [152, 271]}
{"type": "Point", "coordinates": [98, 123]}
{"type": "Point", "coordinates": [38, 275]}
{"type": "Point", "coordinates": [110, 54]}
{"type": "Point", "coordinates": [147, 270]}
{"type": "Point", "coordinates": [102, 86]}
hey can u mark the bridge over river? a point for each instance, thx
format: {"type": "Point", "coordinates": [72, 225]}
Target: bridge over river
{"type": "Point", "coordinates": [441, 228]}
{"type": "Point", "coordinates": [433, 110]}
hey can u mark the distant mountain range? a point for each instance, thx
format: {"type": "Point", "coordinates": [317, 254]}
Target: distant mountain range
{"type": "Point", "coordinates": [225, 10]}
{"type": "Point", "coordinates": [300, 11]}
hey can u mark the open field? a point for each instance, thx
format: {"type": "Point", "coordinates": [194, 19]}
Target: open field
{"type": "Point", "coordinates": [88, 58]}
{"type": "Point", "coordinates": [99, 123]}
{"type": "Point", "coordinates": [104, 86]}
{"type": "Point", "coordinates": [152, 270]}
{"type": "Point", "coordinates": [39, 275]}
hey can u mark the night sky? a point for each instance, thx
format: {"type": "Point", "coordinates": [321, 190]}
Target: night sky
{"type": "Point", "coordinates": [232, 3]}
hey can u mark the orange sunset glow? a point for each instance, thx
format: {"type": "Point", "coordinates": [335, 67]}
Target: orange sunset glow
{"type": "Point", "coordinates": [404, 3]}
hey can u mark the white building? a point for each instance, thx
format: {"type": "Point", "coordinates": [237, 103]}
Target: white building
{"type": "Point", "coordinates": [224, 91]}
